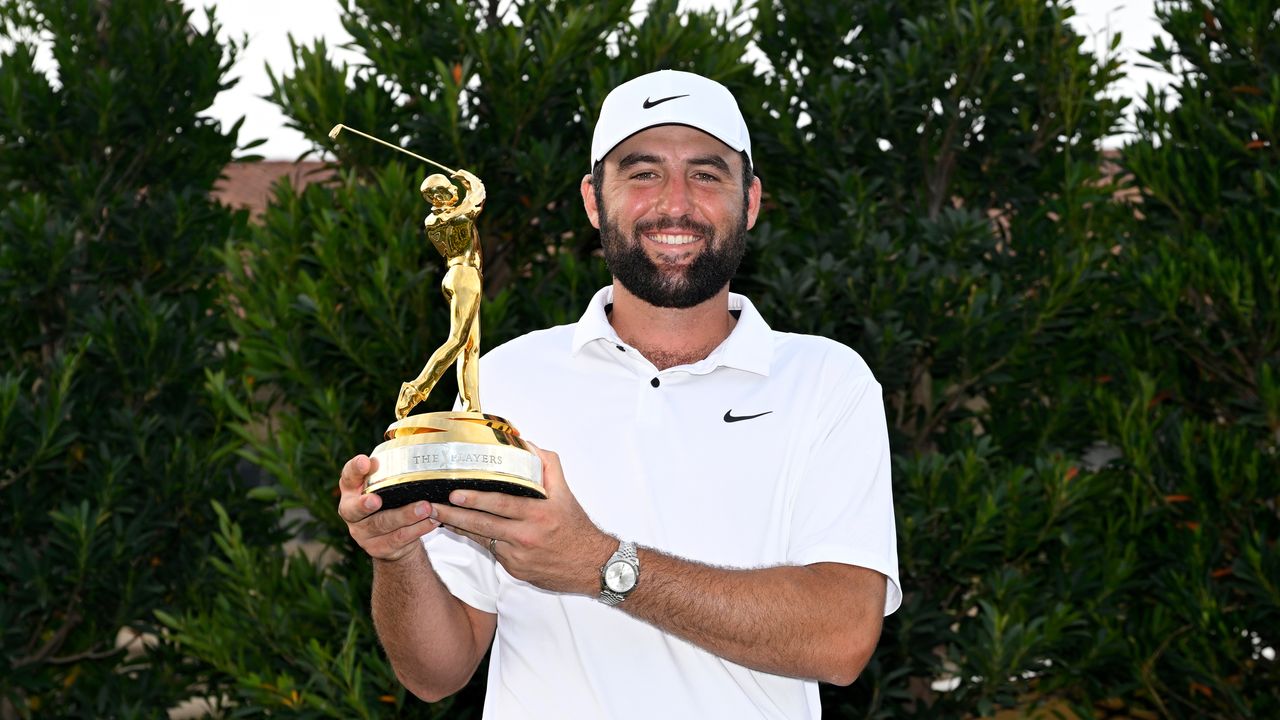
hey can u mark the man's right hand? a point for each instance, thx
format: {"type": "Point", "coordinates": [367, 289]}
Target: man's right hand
{"type": "Point", "coordinates": [434, 640]}
{"type": "Point", "coordinates": [390, 535]}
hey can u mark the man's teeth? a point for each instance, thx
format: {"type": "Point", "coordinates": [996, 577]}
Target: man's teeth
{"type": "Point", "coordinates": [673, 239]}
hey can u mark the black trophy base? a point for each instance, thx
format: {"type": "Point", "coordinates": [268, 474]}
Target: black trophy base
{"type": "Point", "coordinates": [436, 490]}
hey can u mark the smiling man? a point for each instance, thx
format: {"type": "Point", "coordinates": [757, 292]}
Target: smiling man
{"type": "Point", "coordinates": [718, 534]}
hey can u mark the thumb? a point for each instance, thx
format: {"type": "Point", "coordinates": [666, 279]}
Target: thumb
{"type": "Point", "coordinates": [355, 472]}
{"type": "Point", "coordinates": [552, 472]}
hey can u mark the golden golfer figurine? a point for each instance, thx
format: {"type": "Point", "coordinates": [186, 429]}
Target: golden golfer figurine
{"type": "Point", "coordinates": [427, 456]}
{"type": "Point", "coordinates": [451, 227]}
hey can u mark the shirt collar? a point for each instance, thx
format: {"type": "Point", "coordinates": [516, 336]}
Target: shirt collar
{"type": "Point", "coordinates": [749, 347]}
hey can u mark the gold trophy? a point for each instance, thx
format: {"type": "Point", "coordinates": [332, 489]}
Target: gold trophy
{"type": "Point", "coordinates": [427, 456]}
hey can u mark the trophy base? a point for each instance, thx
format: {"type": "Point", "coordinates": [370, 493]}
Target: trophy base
{"type": "Point", "coordinates": [437, 490]}
{"type": "Point", "coordinates": [428, 456]}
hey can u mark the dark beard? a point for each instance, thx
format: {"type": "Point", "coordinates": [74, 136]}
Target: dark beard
{"type": "Point", "coordinates": [641, 276]}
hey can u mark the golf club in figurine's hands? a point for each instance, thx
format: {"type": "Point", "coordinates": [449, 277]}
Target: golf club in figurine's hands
{"type": "Point", "coordinates": [427, 456]}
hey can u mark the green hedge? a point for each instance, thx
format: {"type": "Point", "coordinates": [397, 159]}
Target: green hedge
{"type": "Point", "coordinates": [110, 450]}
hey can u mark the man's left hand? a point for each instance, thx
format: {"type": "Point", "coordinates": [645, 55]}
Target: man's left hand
{"type": "Point", "coordinates": [549, 543]}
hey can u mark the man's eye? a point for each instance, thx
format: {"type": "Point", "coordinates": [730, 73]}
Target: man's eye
{"type": "Point", "coordinates": [644, 175]}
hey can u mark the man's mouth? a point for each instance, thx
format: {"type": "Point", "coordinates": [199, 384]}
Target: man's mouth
{"type": "Point", "coordinates": [673, 238]}
{"type": "Point", "coordinates": [674, 233]}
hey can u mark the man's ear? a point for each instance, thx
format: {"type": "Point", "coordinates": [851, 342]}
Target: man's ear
{"type": "Point", "coordinates": [589, 201]}
{"type": "Point", "coordinates": [753, 201]}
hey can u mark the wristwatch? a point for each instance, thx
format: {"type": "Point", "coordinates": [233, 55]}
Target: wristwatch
{"type": "Point", "coordinates": [620, 574]}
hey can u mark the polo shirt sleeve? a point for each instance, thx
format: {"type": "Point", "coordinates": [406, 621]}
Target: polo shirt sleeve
{"type": "Point", "coordinates": [843, 507]}
{"type": "Point", "coordinates": [467, 569]}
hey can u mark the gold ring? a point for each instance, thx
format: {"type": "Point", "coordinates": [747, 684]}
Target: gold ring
{"type": "Point", "coordinates": [493, 542]}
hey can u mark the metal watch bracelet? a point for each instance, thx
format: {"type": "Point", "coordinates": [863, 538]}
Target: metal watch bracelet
{"type": "Point", "coordinates": [627, 553]}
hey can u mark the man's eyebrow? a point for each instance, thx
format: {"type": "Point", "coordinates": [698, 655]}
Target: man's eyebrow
{"type": "Point", "coordinates": [636, 159]}
{"type": "Point", "coordinates": [714, 161]}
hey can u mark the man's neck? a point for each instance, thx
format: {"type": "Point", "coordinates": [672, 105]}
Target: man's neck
{"type": "Point", "coordinates": [668, 337]}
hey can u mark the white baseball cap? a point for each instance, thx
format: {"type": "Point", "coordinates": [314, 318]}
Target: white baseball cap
{"type": "Point", "coordinates": [669, 97]}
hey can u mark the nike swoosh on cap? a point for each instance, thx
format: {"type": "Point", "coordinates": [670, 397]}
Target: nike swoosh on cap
{"type": "Point", "coordinates": [730, 417]}
{"type": "Point", "coordinates": [651, 103]}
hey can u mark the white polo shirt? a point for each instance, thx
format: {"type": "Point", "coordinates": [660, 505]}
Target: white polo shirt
{"type": "Point", "coordinates": [771, 451]}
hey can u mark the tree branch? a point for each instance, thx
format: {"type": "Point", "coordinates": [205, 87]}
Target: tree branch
{"type": "Point", "coordinates": [52, 644]}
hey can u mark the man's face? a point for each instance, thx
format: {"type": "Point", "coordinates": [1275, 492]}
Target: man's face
{"type": "Point", "coordinates": [671, 214]}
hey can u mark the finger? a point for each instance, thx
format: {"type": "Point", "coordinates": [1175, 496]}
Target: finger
{"type": "Point", "coordinates": [356, 507]}
{"type": "Point", "coordinates": [355, 472]}
{"type": "Point", "coordinates": [552, 472]}
{"type": "Point", "coordinates": [392, 520]}
{"type": "Point", "coordinates": [411, 532]}
{"type": "Point", "coordinates": [398, 544]}
{"type": "Point", "coordinates": [355, 504]}
{"type": "Point", "coordinates": [474, 522]}
{"type": "Point", "coordinates": [494, 503]}
{"type": "Point", "coordinates": [480, 540]}
{"type": "Point", "coordinates": [387, 534]}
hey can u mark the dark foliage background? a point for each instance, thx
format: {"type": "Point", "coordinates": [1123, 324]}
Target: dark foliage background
{"type": "Point", "coordinates": [1079, 351]}
{"type": "Point", "coordinates": [110, 452]}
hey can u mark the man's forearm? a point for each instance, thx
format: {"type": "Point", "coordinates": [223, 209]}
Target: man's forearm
{"type": "Point", "coordinates": [820, 622]}
{"type": "Point", "coordinates": [434, 641]}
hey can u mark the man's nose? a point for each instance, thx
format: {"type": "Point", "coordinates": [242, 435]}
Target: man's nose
{"type": "Point", "coordinates": [676, 200]}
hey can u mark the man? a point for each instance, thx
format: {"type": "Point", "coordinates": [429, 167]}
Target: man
{"type": "Point", "coordinates": [718, 533]}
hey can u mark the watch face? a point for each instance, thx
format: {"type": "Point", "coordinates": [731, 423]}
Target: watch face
{"type": "Point", "coordinates": [620, 577]}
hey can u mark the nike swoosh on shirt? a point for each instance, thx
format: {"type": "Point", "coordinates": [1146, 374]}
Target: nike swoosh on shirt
{"type": "Point", "coordinates": [651, 103]}
{"type": "Point", "coordinates": [730, 417]}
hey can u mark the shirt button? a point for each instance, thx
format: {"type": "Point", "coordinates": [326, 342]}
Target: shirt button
{"type": "Point", "coordinates": [654, 382]}
{"type": "Point", "coordinates": [622, 348]}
